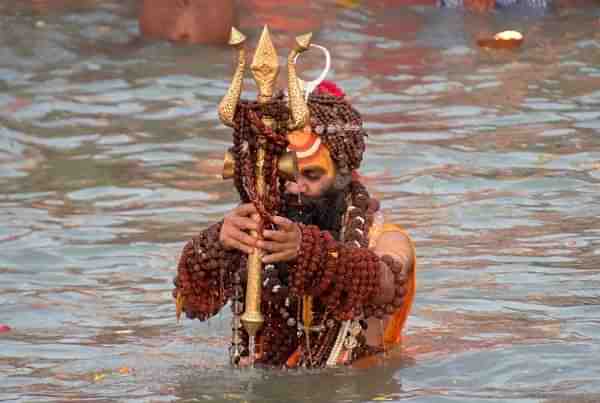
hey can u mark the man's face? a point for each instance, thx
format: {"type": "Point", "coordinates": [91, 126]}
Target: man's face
{"type": "Point", "coordinates": [316, 169]}
{"type": "Point", "coordinates": [315, 201]}
{"type": "Point", "coordinates": [313, 198]}
{"type": "Point", "coordinates": [312, 182]}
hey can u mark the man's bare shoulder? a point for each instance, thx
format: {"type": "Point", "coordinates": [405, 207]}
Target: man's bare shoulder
{"type": "Point", "coordinates": [394, 240]}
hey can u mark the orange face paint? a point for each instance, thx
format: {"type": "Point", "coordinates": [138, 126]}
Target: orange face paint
{"type": "Point", "coordinates": [311, 152]}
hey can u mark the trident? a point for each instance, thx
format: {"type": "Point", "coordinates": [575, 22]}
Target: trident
{"type": "Point", "coordinates": [265, 69]}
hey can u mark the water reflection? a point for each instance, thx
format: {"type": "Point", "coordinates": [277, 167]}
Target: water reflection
{"type": "Point", "coordinates": [378, 383]}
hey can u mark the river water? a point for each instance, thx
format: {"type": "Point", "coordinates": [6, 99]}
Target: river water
{"type": "Point", "coordinates": [110, 154]}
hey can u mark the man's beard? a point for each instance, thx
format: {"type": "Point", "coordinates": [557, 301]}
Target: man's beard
{"type": "Point", "coordinates": [326, 211]}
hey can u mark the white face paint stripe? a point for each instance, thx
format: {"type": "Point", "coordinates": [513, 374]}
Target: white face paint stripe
{"type": "Point", "coordinates": [313, 149]}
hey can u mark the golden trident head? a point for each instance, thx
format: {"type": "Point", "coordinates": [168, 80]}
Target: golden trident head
{"type": "Point", "coordinates": [265, 68]}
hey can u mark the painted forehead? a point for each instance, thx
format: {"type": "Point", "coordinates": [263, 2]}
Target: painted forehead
{"type": "Point", "coordinates": [310, 150]}
{"type": "Point", "coordinates": [304, 142]}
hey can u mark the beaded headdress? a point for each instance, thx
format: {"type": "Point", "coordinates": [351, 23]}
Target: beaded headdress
{"type": "Point", "coordinates": [336, 123]}
{"type": "Point", "coordinates": [334, 120]}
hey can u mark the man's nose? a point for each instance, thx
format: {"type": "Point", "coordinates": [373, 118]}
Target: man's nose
{"type": "Point", "coordinates": [296, 187]}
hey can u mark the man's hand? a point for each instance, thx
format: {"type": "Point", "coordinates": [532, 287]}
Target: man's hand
{"type": "Point", "coordinates": [234, 232]}
{"type": "Point", "coordinates": [282, 244]}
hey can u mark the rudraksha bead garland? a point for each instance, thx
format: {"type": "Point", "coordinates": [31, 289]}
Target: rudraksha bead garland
{"type": "Point", "coordinates": [401, 276]}
{"type": "Point", "coordinates": [359, 220]}
{"type": "Point", "coordinates": [251, 133]}
{"type": "Point", "coordinates": [344, 277]}
{"type": "Point", "coordinates": [204, 274]}
{"type": "Point", "coordinates": [281, 302]}
{"type": "Point", "coordinates": [321, 341]}
{"type": "Point", "coordinates": [239, 336]}
{"type": "Point", "coordinates": [278, 337]}
{"type": "Point", "coordinates": [359, 215]}
{"type": "Point", "coordinates": [281, 335]}
{"type": "Point", "coordinates": [325, 342]}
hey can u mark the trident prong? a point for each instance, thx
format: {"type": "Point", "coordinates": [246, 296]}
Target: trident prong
{"type": "Point", "coordinates": [298, 107]}
{"type": "Point", "coordinates": [265, 66]}
{"type": "Point", "coordinates": [228, 104]}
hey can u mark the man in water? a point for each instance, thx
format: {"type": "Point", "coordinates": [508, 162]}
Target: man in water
{"type": "Point", "coordinates": [328, 242]}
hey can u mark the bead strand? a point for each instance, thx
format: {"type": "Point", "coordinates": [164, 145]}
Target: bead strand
{"type": "Point", "coordinates": [349, 277]}
{"type": "Point", "coordinates": [204, 274]}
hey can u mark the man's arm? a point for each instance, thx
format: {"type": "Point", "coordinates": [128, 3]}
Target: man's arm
{"type": "Point", "coordinates": [204, 279]}
{"type": "Point", "coordinates": [210, 261]}
{"type": "Point", "coordinates": [380, 279]}
{"type": "Point", "coordinates": [397, 245]}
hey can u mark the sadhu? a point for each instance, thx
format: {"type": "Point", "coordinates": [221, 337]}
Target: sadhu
{"type": "Point", "coordinates": [332, 282]}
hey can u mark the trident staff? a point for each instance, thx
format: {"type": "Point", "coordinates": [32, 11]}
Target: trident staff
{"type": "Point", "coordinates": [265, 68]}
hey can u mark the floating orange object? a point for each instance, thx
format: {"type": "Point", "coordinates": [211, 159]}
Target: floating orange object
{"type": "Point", "coordinates": [502, 40]}
{"type": "Point", "coordinates": [125, 371]}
